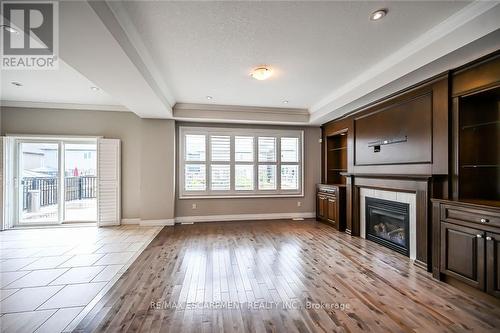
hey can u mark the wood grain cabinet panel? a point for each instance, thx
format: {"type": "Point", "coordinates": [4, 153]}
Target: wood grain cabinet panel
{"type": "Point", "coordinates": [479, 76]}
{"type": "Point", "coordinates": [332, 210]}
{"type": "Point", "coordinates": [469, 244]}
{"type": "Point", "coordinates": [493, 264]}
{"type": "Point", "coordinates": [409, 122]}
{"type": "Point", "coordinates": [321, 206]}
{"type": "Point", "coordinates": [462, 253]}
{"type": "Point", "coordinates": [331, 205]}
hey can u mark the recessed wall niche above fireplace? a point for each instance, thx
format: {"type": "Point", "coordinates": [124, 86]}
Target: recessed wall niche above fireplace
{"type": "Point", "coordinates": [388, 223]}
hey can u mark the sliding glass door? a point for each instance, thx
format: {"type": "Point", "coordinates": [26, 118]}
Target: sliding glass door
{"type": "Point", "coordinates": [38, 182]}
{"type": "Point", "coordinates": [56, 181]}
{"type": "Point", "coordinates": [80, 182]}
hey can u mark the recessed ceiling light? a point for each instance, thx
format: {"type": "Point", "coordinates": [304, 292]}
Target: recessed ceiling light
{"type": "Point", "coordinates": [94, 88]}
{"type": "Point", "coordinates": [209, 97]}
{"type": "Point", "coordinates": [10, 29]}
{"type": "Point", "coordinates": [261, 73]}
{"type": "Point", "coordinates": [379, 14]}
{"type": "Point", "coordinates": [285, 102]}
{"type": "Point", "coordinates": [17, 84]}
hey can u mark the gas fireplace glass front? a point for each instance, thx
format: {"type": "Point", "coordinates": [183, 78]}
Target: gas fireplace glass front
{"type": "Point", "coordinates": [387, 223]}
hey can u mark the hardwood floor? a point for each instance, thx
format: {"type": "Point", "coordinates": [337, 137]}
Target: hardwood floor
{"type": "Point", "coordinates": [282, 276]}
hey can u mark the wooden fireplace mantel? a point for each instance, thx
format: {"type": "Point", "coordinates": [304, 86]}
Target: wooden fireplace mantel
{"type": "Point", "coordinates": [388, 176]}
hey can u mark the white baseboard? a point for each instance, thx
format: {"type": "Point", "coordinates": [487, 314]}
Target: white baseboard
{"type": "Point", "coordinates": [131, 221]}
{"type": "Point", "coordinates": [217, 218]}
{"type": "Point", "coordinates": [157, 223]}
{"type": "Point", "coordinates": [148, 223]}
{"type": "Point", "coordinates": [242, 217]}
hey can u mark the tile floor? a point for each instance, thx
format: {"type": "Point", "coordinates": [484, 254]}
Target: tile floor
{"type": "Point", "coordinates": [48, 276]}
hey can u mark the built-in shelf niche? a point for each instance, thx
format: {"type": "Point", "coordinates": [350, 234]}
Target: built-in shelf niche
{"type": "Point", "coordinates": [336, 158]}
{"type": "Point", "coordinates": [479, 145]}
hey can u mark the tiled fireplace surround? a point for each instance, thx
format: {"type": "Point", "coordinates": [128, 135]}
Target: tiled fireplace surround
{"type": "Point", "coordinates": [416, 190]}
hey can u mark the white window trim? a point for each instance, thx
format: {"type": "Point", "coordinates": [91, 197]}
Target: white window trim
{"type": "Point", "coordinates": [232, 193]}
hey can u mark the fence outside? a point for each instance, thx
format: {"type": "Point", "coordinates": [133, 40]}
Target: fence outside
{"type": "Point", "coordinates": [76, 188]}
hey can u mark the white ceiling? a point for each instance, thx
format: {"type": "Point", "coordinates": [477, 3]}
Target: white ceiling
{"type": "Point", "coordinates": [209, 48]}
{"type": "Point", "coordinates": [54, 87]}
{"type": "Point", "coordinates": [146, 56]}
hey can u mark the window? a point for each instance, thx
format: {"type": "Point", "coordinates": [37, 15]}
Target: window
{"type": "Point", "coordinates": [231, 162]}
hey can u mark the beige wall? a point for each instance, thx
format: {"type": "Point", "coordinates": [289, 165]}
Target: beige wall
{"type": "Point", "coordinates": [312, 171]}
{"type": "Point", "coordinates": [139, 137]}
{"type": "Point", "coordinates": [149, 163]}
{"type": "Point", "coordinates": [158, 169]}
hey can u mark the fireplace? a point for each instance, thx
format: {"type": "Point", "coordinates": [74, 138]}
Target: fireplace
{"type": "Point", "coordinates": [388, 223]}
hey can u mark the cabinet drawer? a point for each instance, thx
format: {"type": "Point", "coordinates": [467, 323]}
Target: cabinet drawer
{"type": "Point", "coordinates": [327, 190]}
{"type": "Point", "coordinates": [327, 195]}
{"type": "Point", "coordinates": [467, 214]}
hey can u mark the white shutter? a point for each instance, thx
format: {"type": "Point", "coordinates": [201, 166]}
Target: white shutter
{"type": "Point", "coordinates": [6, 182]}
{"type": "Point", "coordinates": [267, 149]}
{"type": "Point", "coordinates": [109, 182]}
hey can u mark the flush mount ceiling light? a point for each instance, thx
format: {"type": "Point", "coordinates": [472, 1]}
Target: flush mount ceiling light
{"type": "Point", "coordinates": [378, 15]}
{"type": "Point", "coordinates": [285, 102]}
{"type": "Point", "coordinates": [17, 84]}
{"type": "Point", "coordinates": [10, 29]}
{"type": "Point", "coordinates": [209, 98]}
{"type": "Point", "coordinates": [94, 88]}
{"type": "Point", "coordinates": [261, 73]}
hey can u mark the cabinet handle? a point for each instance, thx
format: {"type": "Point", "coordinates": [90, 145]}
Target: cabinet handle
{"type": "Point", "coordinates": [483, 220]}
{"type": "Point", "coordinates": [479, 236]}
{"type": "Point", "coordinates": [489, 238]}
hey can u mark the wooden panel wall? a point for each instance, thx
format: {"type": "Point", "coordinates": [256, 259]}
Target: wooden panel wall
{"type": "Point", "coordinates": [409, 120]}
{"type": "Point", "coordinates": [419, 112]}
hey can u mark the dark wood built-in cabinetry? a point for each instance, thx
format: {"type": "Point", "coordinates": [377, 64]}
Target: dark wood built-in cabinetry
{"type": "Point", "coordinates": [336, 158]}
{"type": "Point", "coordinates": [439, 140]}
{"type": "Point", "coordinates": [493, 263]}
{"type": "Point", "coordinates": [330, 201]}
{"type": "Point", "coordinates": [476, 133]}
{"type": "Point", "coordinates": [462, 253]}
{"type": "Point", "coordinates": [466, 228]}
{"type": "Point", "coordinates": [468, 236]}
{"type": "Point", "coordinates": [398, 133]}
{"type": "Point", "coordinates": [331, 195]}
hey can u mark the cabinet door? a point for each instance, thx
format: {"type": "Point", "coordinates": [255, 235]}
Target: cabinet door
{"type": "Point", "coordinates": [493, 264]}
{"type": "Point", "coordinates": [332, 210]}
{"type": "Point", "coordinates": [462, 254]}
{"type": "Point", "coordinates": [321, 206]}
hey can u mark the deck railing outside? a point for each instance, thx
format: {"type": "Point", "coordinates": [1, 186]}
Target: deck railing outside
{"type": "Point", "coordinates": [46, 189]}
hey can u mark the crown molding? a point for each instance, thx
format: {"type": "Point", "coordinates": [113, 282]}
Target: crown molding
{"type": "Point", "coordinates": [63, 106]}
{"type": "Point", "coordinates": [470, 23]}
{"type": "Point", "coordinates": [240, 114]}
{"type": "Point", "coordinates": [239, 108]}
